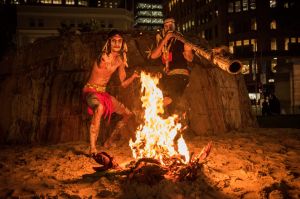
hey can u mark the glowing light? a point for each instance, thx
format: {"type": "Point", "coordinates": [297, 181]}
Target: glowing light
{"type": "Point", "coordinates": [156, 138]}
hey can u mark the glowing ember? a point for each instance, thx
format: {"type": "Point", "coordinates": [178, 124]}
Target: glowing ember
{"type": "Point", "coordinates": [155, 139]}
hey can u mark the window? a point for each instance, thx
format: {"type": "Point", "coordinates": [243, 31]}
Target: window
{"type": "Point", "coordinates": [70, 2]}
{"type": "Point", "coordinates": [246, 67]}
{"type": "Point", "coordinates": [238, 43]}
{"type": "Point", "coordinates": [274, 64]}
{"type": "Point", "coordinates": [46, 1]}
{"type": "Point", "coordinates": [230, 7]}
{"type": "Point", "coordinates": [12, 2]}
{"type": "Point", "coordinates": [203, 34]}
{"type": "Point", "coordinates": [57, 1]}
{"type": "Point", "coordinates": [231, 45]}
{"type": "Point", "coordinates": [286, 5]}
{"type": "Point", "coordinates": [82, 2]}
{"type": "Point", "coordinates": [273, 44]}
{"type": "Point", "coordinates": [286, 44]}
{"type": "Point", "coordinates": [246, 42]}
{"type": "Point", "coordinates": [237, 6]}
{"type": "Point", "coordinates": [245, 5]}
{"type": "Point", "coordinates": [273, 25]}
{"type": "Point", "coordinates": [273, 3]}
{"type": "Point", "coordinates": [252, 4]}
{"type": "Point", "coordinates": [230, 28]}
{"type": "Point", "coordinates": [254, 44]}
{"type": "Point", "coordinates": [253, 24]}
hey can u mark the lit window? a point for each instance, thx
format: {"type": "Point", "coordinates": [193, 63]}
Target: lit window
{"type": "Point", "coordinates": [230, 28]}
{"type": "Point", "coordinates": [293, 40]}
{"type": "Point", "coordinates": [246, 67]}
{"type": "Point", "coordinates": [12, 2]}
{"type": "Point", "coordinates": [57, 2]}
{"type": "Point", "coordinates": [230, 7]}
{"type": "Point", "coordinates": [273, 3]}
{"type": "Point", "coordinates": [254, 44]}
{"type": "Point", "coordinates": [157, 13]}
{"type": "Point", "coordinates": [252, 4]}
{"type": "Point", "coordinates": [231, 45]}
{"type": "Point", "coordinates": [238, 43]}
{"type": "Point", "coordinates": [70, 2]}
{"type": "Point", "coordinates": [82, 2]}
{"type": "Point", "coordinates": [273, 65]}
{"type": "Point", "coordinates": [286, 5]}
{"type": "Point", "coordinates": [193, 23]}
{"type": "Point", "coordinates": [144, 6]}
{"type": "Point", "coordinates": [46, 1]}
{"type": "Point", "coordinates": [237, 6]}
{"type": "Point", "coordinates": [273, 44]}
{"type": "Point", "coordinates": [245, 5]}
{"type": "Point", "coordinates": [253, 24]}
{"type": "Point", "coordinates": [286, 44]}
{"type": "Point", "coordinates": [203, 34]}
{"type": "Point", "coordinates": [273, 25]}
{"type": "Point", "coordinates": [246, 42]}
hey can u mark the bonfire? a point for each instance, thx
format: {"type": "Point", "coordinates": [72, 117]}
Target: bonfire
{"type": "Point", "coordinates": [159, 148]}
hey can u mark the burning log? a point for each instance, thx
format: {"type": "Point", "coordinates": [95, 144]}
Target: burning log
{"type": "Point", "coordinates": [147, 170]}
{"type": "Point", "coordinates": [151, 171]}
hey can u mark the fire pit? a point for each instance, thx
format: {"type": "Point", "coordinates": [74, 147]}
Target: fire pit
{"type": "Point", "coordinates": [159, 148]}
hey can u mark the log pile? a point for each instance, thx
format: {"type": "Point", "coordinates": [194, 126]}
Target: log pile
{"type": "Point", "coordinates": [151, 171]}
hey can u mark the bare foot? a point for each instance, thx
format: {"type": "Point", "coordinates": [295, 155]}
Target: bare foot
{"type": "Point", "coordinates": [93, 151]}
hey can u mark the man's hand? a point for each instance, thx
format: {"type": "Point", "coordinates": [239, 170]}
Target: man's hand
{"type": "Point", "coordinates": [168, 36]}
{"type": "Point", "coordinates": [136, 74]}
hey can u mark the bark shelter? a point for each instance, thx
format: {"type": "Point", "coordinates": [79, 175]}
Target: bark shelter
{"type": "Point", "coordinates": [40, 91]}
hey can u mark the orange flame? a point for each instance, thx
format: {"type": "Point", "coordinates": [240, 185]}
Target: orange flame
{"type": "Point", "coordinates": [155, 139]}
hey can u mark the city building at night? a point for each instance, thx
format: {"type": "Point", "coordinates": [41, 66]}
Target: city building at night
{"type": "Point", "coordinates": [148, 15]}
{"type": "Point", "coordinates": [43, 18]}
{"type": "Point", "coordinates": [264, 35]}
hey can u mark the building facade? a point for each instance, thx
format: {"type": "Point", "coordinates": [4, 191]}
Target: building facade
{"type": "Point", "coordinates": [148, 15]}
{"type": "Point", "coordinates": [264, 35]}
{"type": "Point", "coordinates": [44, 18]}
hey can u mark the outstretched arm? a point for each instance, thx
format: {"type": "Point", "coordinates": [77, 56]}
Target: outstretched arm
{"type": "Point", "coordinates": [122, 75]}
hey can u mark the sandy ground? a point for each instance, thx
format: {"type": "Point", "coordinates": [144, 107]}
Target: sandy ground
{"type": "Point", "coordinates": [254, 163]}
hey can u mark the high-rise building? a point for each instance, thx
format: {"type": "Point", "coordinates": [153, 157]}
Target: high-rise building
{"type": "Point", "coordinates": [42, 18]}
{"type": "Point", "coordinates": [264, 35]}
{"type": "Point", "coordinates": [148, 14]}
